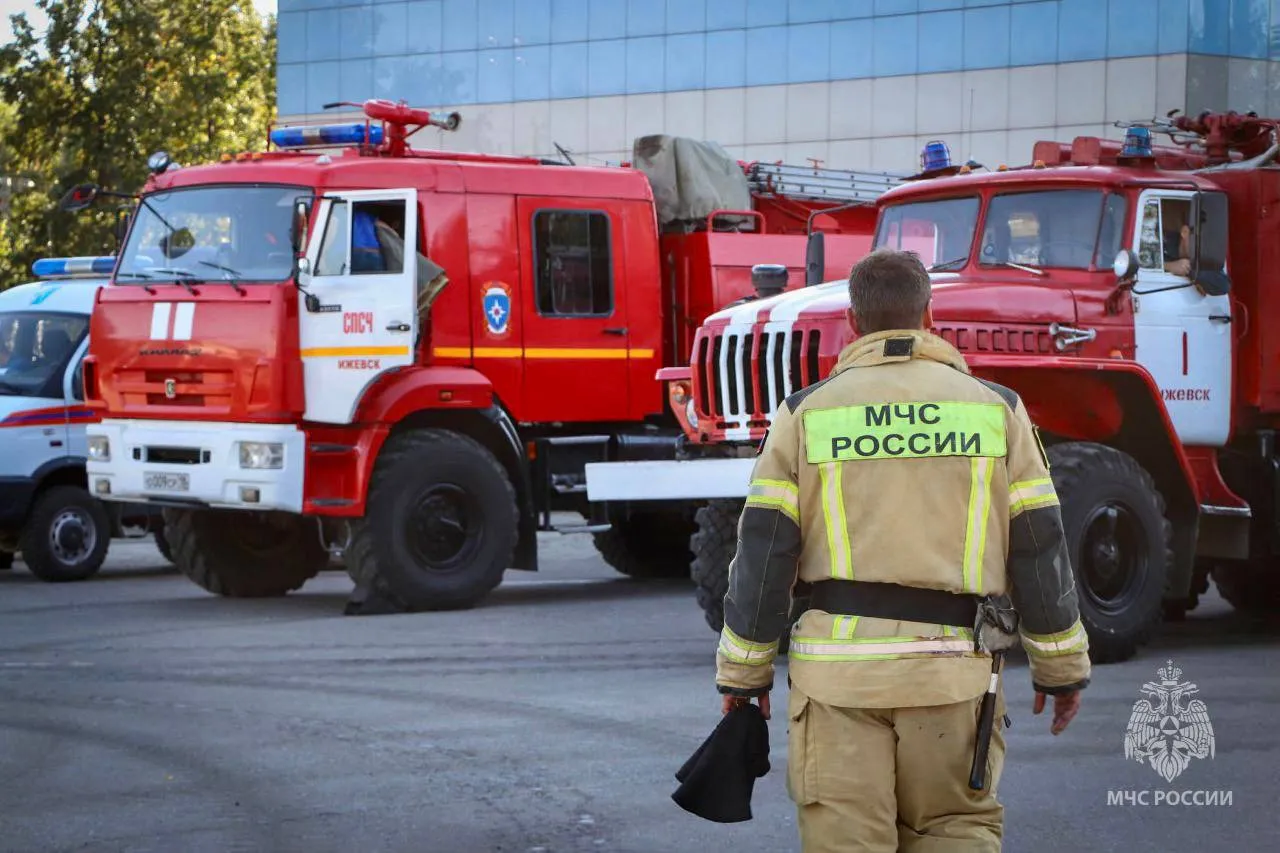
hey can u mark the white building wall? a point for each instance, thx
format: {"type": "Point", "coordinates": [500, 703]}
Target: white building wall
{"type": "Point", "coordinates": [992, 116]}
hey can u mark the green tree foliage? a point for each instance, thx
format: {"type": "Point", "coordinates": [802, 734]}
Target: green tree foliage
{"type": "Point", "coordinates": [107, 84]}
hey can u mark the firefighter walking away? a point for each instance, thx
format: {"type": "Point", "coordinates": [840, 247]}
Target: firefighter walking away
{"type": "Point", "coordinates": [912, 503]}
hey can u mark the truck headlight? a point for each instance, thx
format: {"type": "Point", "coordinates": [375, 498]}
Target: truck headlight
{"type": "Point", "coordinates": [691, 412]}
{"type": "Point", "coordinates": [261, 454]}
{"type": "Point", "coordinates": [99, 448]}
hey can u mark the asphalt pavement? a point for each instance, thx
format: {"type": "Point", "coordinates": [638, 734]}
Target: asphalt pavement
{"type": "Point", "coordinates": [138, 713]}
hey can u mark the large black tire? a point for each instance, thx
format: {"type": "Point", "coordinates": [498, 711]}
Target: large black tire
{"type": "Point", "coordinates": [441, 523]}
{"type": "Point", "coordinates": [1120, 544]}
{"type": "Point", "coordinates": [714, 543]}
{"type": "Point", "coordinates": [6, 560]}
{"type": "Point", "coordinates": [162, 543]}
{"type": "Point", "coordinates": [240, 554]}
{"type": "Point", "coordinates": [66, 536]}
{"type": "Point", "coordinates": [1252, 587]}
{"type": "Point", "coordinates": [651, 545]}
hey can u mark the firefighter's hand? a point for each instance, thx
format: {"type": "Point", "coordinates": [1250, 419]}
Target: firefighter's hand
{"type": "Point", "coordinates": [731, 702]}
{"type": "Point", "coordinates": [1065, 708]}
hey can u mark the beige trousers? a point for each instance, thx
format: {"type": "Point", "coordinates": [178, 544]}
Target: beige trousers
{"type": "Point", "coordinates": [882, 780]}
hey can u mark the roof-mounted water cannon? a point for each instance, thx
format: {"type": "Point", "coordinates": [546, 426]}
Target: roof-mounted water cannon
{"type": "Point", "coordinates": [399, 122]}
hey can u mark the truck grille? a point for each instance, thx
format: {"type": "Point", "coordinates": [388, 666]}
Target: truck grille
{"type": "Point", "coordinates": [743, 375]}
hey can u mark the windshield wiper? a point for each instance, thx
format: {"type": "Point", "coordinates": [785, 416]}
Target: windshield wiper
{"type": "Point", "coordinates": [951, 264]}
{"type": "Point", "coordinates": [186, 278]}
{"type": "Point", "coordinates": [1023, 267]}
{"type": "Point", "coordinates": [148, 288]}
{"type": "Point", "coordinates": [230, 272]}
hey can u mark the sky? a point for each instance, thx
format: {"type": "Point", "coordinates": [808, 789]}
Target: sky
{"type": "Point", "coordinates": [10, 7]}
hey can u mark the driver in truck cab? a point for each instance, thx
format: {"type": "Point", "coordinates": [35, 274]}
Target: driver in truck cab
{"type": "Point", "coordinates": [1177, 237]}
{"type": "Point", "coordinates": [377, 246]}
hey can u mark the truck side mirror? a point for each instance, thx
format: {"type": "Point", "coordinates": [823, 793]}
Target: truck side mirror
{"type": "Point", "coordinates": [815, 259]}
{"type": "Point", "coordinates": [1209, 259]}
{"type": "Point", "coordinates": [78, 198]}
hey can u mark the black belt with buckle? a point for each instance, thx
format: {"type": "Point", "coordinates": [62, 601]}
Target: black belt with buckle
{"type": "Point", "coordinates": [894, 601]}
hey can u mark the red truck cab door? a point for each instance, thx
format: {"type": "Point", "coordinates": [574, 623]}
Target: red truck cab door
{"type": "Point", "coordinates": [363, 267]}
{"type": "Point", "coordinates": [574, 311]}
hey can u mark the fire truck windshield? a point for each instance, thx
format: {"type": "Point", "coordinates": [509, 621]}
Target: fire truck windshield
{"type": "Point", "coordinates": [1054, 228]}
{"type": "Point", "coordinates": [940, 232]}
{"type": "Point", "coordinates": [229, 233]}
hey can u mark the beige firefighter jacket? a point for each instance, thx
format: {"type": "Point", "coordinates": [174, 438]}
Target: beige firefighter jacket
{"type": "Point", "coordinates": [901, 467]}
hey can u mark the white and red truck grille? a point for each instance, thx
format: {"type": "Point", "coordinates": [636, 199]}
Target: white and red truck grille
{"type": "Point", "coordinates": [743, 373]}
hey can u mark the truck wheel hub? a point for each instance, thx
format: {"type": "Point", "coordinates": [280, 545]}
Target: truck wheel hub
{"type": "Point", "coordinates": [1113, 556]}
{"type": "Point", "coordinates": [443, 524]}
{"type": "Point", "coordinates": [72, 536]}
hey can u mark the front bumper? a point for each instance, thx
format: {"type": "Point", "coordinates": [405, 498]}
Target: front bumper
{"type": "Point", "coordinates": [209, 473]}
{"type": "Point", "coordinates": [696, 479]}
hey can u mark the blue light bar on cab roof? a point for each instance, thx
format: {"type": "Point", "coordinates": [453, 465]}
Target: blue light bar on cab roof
{"type": "Point", "coordinates": [326, 134]}
{"type": "Point", "coordinates": [63, 267]}
{"type": "Point", "coordinates": [1137, 143]}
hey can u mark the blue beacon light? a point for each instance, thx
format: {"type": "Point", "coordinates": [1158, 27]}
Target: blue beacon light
{"type": "Point", "coordinates": [1137, 143]}
{"type": "Point", "coordinates": [326, 134]}
{"type": "Point", "coordinates": [62, 267]}
{"type": "Point", "coordinates": [935, 155]}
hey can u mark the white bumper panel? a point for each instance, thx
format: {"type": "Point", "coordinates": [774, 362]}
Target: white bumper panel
{"type": "Point", "coordinates": [216, 479]}
{"type": "Point", "coordinates": [654, 481]}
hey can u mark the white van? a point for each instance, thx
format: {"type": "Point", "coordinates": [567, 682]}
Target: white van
{"type": "Point", "coordinates": [46, 511]}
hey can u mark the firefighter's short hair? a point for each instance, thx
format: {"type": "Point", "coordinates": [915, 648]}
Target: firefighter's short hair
{"type": "Point", "coordinates": [889, 289]}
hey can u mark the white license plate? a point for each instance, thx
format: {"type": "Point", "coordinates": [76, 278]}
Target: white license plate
{"type": "Point", "coordinates": [166, 482]}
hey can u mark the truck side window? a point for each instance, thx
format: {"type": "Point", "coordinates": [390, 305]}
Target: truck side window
{"type": "Point", "coordinates": [572, 263]}
{"type": "Point", "coordinates": [377, 238]}
{"type": "Point", "coordinates": [1166, 241]}
{"type": "Point", "coordinates": [333, 248]}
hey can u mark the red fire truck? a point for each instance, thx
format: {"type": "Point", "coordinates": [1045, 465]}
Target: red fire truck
{"type": "Point", "coordinates": [275, 366]}
{"type": "Point", "coordinates": [1127, 291]}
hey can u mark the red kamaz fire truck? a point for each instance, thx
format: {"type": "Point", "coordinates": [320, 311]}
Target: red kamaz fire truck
{"type": "Point", "coordinates": [409, 355]}
{"type": "Point", "coordinates": [1130, 293]}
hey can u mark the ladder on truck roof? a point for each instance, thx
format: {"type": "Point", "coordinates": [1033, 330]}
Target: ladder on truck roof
{"type": "Point", "coordinates": [819, 184]}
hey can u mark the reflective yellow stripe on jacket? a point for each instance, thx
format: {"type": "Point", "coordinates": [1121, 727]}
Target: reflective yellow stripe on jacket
{"type": "Point", "coordinates": [745, 652]}
{"type": "Point", "coordinates": [1067, 642]}
{"type": "Point", "coordinates": [776, 494]}
{"type": "Point", "coordinates": [1029, 494]}
{"type": "Point", "coordinates": [876, 648]}
{"type": "Point", "coordinates": [975, 536]}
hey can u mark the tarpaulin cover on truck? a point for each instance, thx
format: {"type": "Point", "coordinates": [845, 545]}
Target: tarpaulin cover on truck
{"type": "Point", "coordinates": [690, 178]}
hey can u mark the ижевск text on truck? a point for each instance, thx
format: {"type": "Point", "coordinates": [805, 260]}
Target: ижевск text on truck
{"type": "Point", "coordinates": [409, 356]}
{"type": "Point", "coordinates": [1127, 292]}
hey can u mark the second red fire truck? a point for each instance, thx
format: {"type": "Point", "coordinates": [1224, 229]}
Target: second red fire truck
{"type": "Point", "coordinates": [1128, 292]}
{"type": "Point", "coordinates": [410, 355]}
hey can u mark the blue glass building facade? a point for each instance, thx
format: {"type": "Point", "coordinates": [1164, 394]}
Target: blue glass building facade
{"type": "Point", "coordinates": [592, 74]}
